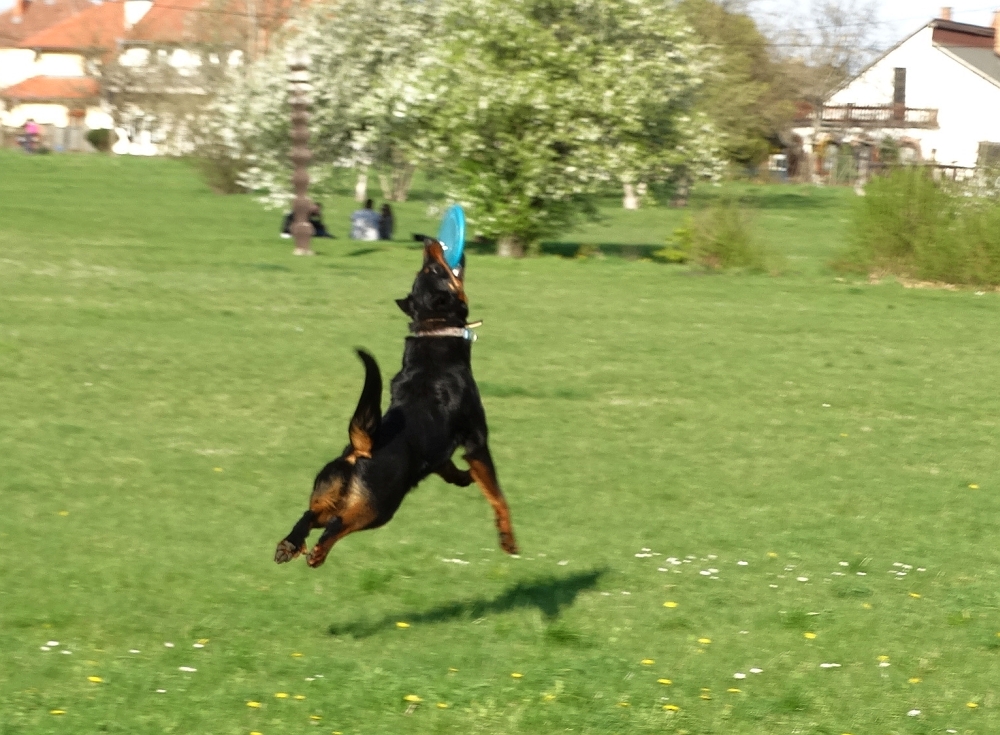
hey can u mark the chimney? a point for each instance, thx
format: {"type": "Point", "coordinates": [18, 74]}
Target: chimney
{"type": "Point", "coordinates": [996, 32]}
{"type": "Point", "coordinates": [945, 13]}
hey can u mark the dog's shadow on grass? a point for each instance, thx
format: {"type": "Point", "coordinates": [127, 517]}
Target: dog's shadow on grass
{"type": "Point", "coordinates": [549, 595]}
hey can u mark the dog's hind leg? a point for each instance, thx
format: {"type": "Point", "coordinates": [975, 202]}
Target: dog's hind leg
{"type": "Point", "coordinates": [295, 542]}
{"type": "Point", "coordinates": [482, 471]}
{"type": "Point", "coordinates": [450, 473]}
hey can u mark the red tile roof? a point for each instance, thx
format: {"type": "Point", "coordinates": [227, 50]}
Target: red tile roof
{"type": "Point", "coordinates": [48, 89]}
{"type": "Point", "coordinates": [172, 21]}
{"type": "Point", "coordinates": [37, 16]}
{"type": "Point", "coordinates": [97, 27]}
{"type": "Point", "coordinates": [226, 22]}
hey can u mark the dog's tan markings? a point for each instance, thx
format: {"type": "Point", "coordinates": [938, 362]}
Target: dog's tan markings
{"type": "Point", "coordinates": [484, 475]}
{"type": "Point", "coordinates": [358, 512]}
{"type": "Point", "coordinates": [361, 442]}
{"type": "Point", "coordinates": [434, 251]}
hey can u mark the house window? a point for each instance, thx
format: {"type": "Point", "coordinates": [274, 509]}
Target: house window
{"type": "Point", "coordinates": [899, 86]}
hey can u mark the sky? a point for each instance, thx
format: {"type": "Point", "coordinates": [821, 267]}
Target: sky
{"type": "Point", "coordinates": [896, 18]}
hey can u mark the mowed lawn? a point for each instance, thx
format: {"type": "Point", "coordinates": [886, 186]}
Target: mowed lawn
{"type": "Point", "coordinates": [745, 504]}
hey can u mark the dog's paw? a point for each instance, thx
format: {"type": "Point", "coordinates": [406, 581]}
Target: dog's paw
{"type": "Point", "coordinates": [508, 544]}
{"type": "Point", "coordinates": [317, 556]}
{"type": "Point", "coordinates": [287, 551]}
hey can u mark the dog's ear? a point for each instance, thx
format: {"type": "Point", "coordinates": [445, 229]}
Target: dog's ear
{"type": "Point", "coordinates": [407, 306]}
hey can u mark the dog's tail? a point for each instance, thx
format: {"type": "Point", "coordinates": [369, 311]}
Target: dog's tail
{"type": "Point", "coordinates": [368, 414]}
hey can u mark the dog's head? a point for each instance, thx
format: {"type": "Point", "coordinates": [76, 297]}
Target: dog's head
{"type": "Point", "coordinates": [438, 293]}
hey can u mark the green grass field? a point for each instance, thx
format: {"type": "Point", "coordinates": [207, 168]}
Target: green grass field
{"type": "Point", "coordinates": [765, 452]}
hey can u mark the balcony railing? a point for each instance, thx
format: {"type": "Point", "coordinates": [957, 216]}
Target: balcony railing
{"type": "Point", "coordinates": [871, 116]}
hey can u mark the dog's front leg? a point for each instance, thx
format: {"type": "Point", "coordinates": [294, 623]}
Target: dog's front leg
{"type": "Point", "coordinates": [295, 542]}
{"type": "Point", "coordinates": [482, 471]}
{"type": "Point", "coordinates": [355, 517]}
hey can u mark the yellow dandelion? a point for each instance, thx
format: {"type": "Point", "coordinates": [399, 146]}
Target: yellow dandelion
{"type": "Point", "coordinates": [733, 690]}
{"type": "Point", "coordinates": [705, 641]}
{"type": "Point", "coordinates": [973, 486]}
{"type": "Point", "coordinates": [296, 655]}
{"type": "Point", "coordinates": [706, 695]}
{"type": "Point", "coordinates": [671, 708]}
{"type": "Point", "coordinates": [915, 595]}
{"type": "Point", "coordinates": [452, 670]}
{"type": "Point", "coordinates": [57, 711]}
{"type": "Point", "coordinates": [915, 680]}
{"type": "Point", "coordinates": [64, 513]}
{"type": "Point", "coordinates": [95, 679]}
{"type": "Point", "coordinates": [866, 605]}
{"type": "Point", "coordinates": [548, 697]}
{"type": "Point", "coordinates": [971, 705]}
{"type": "Point", "coordinates": [516, 675]}
{"type": "Point", "coordinates": [772, 554]}
{"type": "Point", "coordinates": [412, 698]}
{"type": "Point", "coordinates": [401, 624]}
{"type": "Point", "coordinates": [665, 682]}
{"type": "Point", "coordinates": [300, 697]}
{"type": "Point", "coordinates": [883, 657]}
{"type": "Point", "coordinates": [843, 434]}
{"type": "Point", "coordinates": [203, 641]}
{"type": "Point", "coordinates": [316, 718]}
{"type": "Point", "coordinates": [647, 662]}
{"type": "Point", "coordinates": [216, 469]}
{"type": "Point", "coordinates": [253, 705]}
{"type": "Point", "coordinates": [442, 705]}
{"type": "Point", "coordinates": [810, 635]}
{"type": "Point", "coordinates": [624, 704]}
{"type": "Point", "coordinates": [669, 603]}
{"type": "Point", "coordinates": [254, 732]}
{"type": "Point", "coordinates": [281, 695]}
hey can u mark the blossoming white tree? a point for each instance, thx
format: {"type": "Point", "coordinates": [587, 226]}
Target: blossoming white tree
{"type": "Point", "coordinates": [525, 109]}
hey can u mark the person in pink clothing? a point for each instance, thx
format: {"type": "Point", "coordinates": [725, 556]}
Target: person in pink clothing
{"type": "Point", "coordinates": [31, 132]}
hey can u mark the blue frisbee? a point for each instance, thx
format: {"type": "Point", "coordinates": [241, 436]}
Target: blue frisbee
{"type": "Point", "coordinates": [452, 235]}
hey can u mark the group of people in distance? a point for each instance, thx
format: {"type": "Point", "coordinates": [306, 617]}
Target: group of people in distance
{"type": "Point", "coordinates": [366, 223]}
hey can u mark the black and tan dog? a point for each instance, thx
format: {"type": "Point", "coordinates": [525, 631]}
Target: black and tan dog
{"type": "Point", "coordinates": [435, 408]}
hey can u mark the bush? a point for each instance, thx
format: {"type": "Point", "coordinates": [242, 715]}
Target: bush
{"type": "Point", "coordinates": [219, 168]}
{"type": "Point", "coordinates": [912, 226]}
{"type": "Point", "coordinates": [719, 237]}
{"type": "Point", "coordinates": [101, 139]}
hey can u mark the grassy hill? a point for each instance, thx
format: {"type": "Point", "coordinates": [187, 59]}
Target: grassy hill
{"type": "Point", "coordinates": [708, 475]}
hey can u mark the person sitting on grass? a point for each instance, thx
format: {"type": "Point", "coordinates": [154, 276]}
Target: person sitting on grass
{"type": "Point", "coordinates": [385, 223]}
{"type": "Point", "coordinates": [364, 223]}
{"type": "Point", "coordinates": [315, 219]}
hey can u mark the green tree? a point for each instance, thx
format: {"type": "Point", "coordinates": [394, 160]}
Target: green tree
{"type": "Point", "coordinates": [746, 94]}
{"type": "Point", "coordinates": [533, 107]}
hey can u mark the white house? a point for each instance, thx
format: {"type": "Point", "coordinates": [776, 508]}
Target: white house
{"type": "Point", "coordinates": [936, 93]}
{"type": "Point", "coordinates": [77, 65]}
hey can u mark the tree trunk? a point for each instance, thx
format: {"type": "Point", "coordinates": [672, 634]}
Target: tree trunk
{"type": "Point", "coordinates": [361, 186]}
{"type": "Point", "coordinates": [402, 177]}
{"type": "Point", "coordinates": [631, 198]}
{"type": "Point", "coordinates": [510, 246]}
{"type": "Point", "coordinates": [682, 193]}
